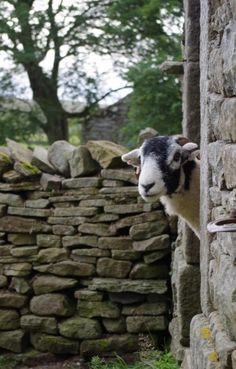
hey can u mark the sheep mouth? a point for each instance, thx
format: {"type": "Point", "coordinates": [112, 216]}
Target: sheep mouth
{"type": "Point", "coordinates": [152, 197]}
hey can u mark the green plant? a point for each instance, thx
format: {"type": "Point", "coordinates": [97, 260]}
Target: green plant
{"type": "Point", "coordinates": [148, 360]}
{"type": "Point", "coordinates": [7, 362]}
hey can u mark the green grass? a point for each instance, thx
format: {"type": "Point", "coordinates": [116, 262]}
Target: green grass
{"type": "Point", "coordinates": [149, 360]}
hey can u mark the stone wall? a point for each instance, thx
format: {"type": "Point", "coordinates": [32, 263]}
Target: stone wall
{"type": "Point", "coordinates": [84, 262]}
{"type": "Point", "coordinates": [213, 332]}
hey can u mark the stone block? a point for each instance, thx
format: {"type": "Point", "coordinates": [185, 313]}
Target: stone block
{"type": "Point", "coordinates": [137, 219]}
{"type": "Point", "coordinates": [186, 283]}
{"type": "Point", "coordinates": [125, 175]}
{"type": "Point", "coordinates": [139, 324]}
{"type": "Point", "coordinates": [17, 269]}
{"type": "Point", "coordinates": [190, 245]}
{"type": "Point", "coordinates": [68, 268]}
{"type": "Point", "coordinates": [80, 328]}
{"type": "Point", "coordinates": [176, 346]}
{"type": "Point", "coordinates": [9, 320]}
{"type": "Point", "coordinates": [14, 341]}
{"type": "Point", "coordinates": [40, 160]}
{"type": "Point", "coordinates": [81, 163]}
{"type": "Point", "coordinates": [12, 300]}
{"type": "Point", "coordinates": [93, 309]}
{"type": "Point", "coordinates": [161, 242]}
{"type": "Point", "coordinates": [115, 243]}
{"type": "Point", "coordinates": [228, 58]}
{"type": "Point", "coordinates": [20, 285]}
{"type": "Point", "coordinates": [19, 239]}
{"type": "Point", "coordinates": [49, 283]}
{"type": "Point", "coordinates": [106, 153]}
{"type": "Point", "coordinates": [192, 30]}
{"type": "Point", "coordinates": [82, 182]}
{"type": "Point", "coordinates": [127, 209]}
{"type": "Point", "coordinates": [39, 324]}
{"type": "Point", "coordinates": [127, 285]}
{"type": "Point", "coordinates": [63, 230]}
{"type": "Point", "coordinates": [50, 182]}
{"type": "Point", "coordinates": [58, 155]}
{"type": "Point", "coordinates": [114, 325]}
{"type": "Point", "coordinates": [107, 267]}
{"type": "Point", "coordinates": [52, 255]}
{"type": "Point", "coordinates": [131, 255]}
{"type": "Point", "coordinates": [52, 304]}
{"type": "Point", "coordinates": [77, 240]}
{"type": "Point", "coordinates": [229, 165]}
{"type": "Point", "coordinates": [11, 199]}
{"type": "Point", "coordinates": [54, 344]}
{"type": "Point", "coordinates": [119, 344]}
{"type": "Point", "coordinates": [146, 308]}
{"type": "Point", "coordinates": [90, 252]}
{"type": "Point", "coordinates": [24, 251]}
{"type": "Point", "coordinates": [67, 221]}
{"type": "Point", "coordinates": [101, 229]}
{"type": "Point", "coordinates": [37, 204]}
{"type": "Point", "coordinates": [88, 295]}
{"type": "Point", "coordinates": [48, 240]}
{"type": "Point", "coordinates": [152, 257]}
{"type": "Point", "coordinates": [22, 225]}
{"type": "Point", "coordinates": [148, 230]}
{"type": "Point", "coordinates": [29, 212]}
{"type": "Point", "coordinates": [144, 271]}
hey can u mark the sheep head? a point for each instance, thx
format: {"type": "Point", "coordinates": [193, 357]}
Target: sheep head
{"type": "Point", "coordinates": [162, 163]}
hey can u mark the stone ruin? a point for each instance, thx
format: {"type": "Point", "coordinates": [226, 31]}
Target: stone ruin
{"type": "Point", "coordinates": [84, 262]}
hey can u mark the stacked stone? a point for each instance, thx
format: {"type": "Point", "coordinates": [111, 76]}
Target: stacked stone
{"type": "Point", "coordinates": [213, 333]}
{"type": "Point", "coordinates": [84, 262]}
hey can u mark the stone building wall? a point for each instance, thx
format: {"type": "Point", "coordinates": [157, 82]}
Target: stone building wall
{"type": "Point", "coordinates": [84, 262]}
{"type": "Point", "coordinates": [213, 332]}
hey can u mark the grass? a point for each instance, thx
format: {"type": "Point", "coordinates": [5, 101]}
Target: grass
{"type": "Point", "coordinates": [149, 360]}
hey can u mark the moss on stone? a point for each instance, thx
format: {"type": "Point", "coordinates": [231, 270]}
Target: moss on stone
{"type": "Point", "coordinates": [31, 169]}
{"type": "Point", "coordinates": [5, 158]}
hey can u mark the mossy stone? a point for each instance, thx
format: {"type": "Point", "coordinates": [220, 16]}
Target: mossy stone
{"type": "Point", "coordinates": [54, 344]}
{"type": "Point", "coordinates": [80, 328]}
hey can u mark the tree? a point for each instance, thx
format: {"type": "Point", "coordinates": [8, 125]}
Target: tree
{"type": "Point", "coordinates": [68, 30]}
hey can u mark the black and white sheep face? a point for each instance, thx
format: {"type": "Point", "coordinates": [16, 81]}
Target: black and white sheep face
{"type": "Point", "coordinates": [159, 161]}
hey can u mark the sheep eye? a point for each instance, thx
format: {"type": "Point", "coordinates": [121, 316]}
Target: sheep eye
{"type": "Point", "coordinates": [176, 156]}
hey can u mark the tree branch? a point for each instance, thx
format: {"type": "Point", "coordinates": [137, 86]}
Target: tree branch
{"type": "Point", "coordinates": [86, 113]}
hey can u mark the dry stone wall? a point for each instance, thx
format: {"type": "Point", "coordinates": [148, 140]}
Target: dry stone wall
{"type": "Point", "coordinates": [84, 262]}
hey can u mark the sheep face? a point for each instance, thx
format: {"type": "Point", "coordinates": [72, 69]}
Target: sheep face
{"type": "Point", "coordinates": [160, 161]}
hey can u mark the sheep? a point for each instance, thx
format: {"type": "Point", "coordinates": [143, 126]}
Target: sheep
{"type": "Point", "coordinates": [169, 171]}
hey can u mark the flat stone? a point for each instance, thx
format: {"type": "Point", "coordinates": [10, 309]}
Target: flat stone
{"type": "Point", "coordinates": [32, 322]}
{"type": "Point", "coordinates": [19, 152]}
{"type": "Point", "coordinates": [48, 283]}
{"type": "Point", "coordinates": [127, 209]}
{"type": "Point", "coordinates": [9, 320]}
{"type": "Point", "coordinates": [82, 182]}
{"type": "Point", "coordinates": [37, 204]}
{"type": "Point", "coordinates": [160, 308]}
{"type": "Point", "coordinates": [114, 325]}
{"type": "Point", "coordinates": [19, 187]}
{"type": "Point", "coordinates": [161, 242]}
{"type": "Point", "coordinates": [3, 210]}
{"type": "Point", "coordinates": [48, 240]}
{"type": "Point", "coordinates": [71, 241]}
{"type": "Point", "coordinates": [229, 163]}
{"type": "Point", "coordinates": [54, 344]}
{"type": "Point", "coordinates": [19, 239]}
{"type": "Point", "coordinates": [26, 169]}
{"type": "Point", "coordinates": [3, 281]}
{"type": "Point", "coordinates": [50, 182]}
{"type": "Point", "coordinates": [115, 243]}
{"type": "Point", "coordinates": [92, 309]}
{"type": "Point", "coordinates": [40, 160]}
{"type": "Point", "coordinates": [20, 285]}
{"type": "Point", "coordinates": [11, 199]}
{"type": "Point", "coordinates": [107, 267]}
{"type": "Point", "coordinates": [12, 300]}
{"type": "Point", "coordinates": [52, 255]}
{"type": "Point", "coordinates": [23, 251]}
{"type": "Point", "coordinates": [12, 176]}
{"type": "Point", "coordinates": [88, 295]}
{"type": "Point", "coordinates": [68, 268]}
{"type": "Point", "coordinates": [125, 255]}
{"type": "Point", "coordinates": [51, 304]}
{"type": "Point", "coordinates": [67, 220]}
{"type": "Point", "coordinates": [29, 212]}
{"type": "Point", "coordinates": [143, 271]}
{"type": "Point", "coordinates": [5, 250]}
{"type": "Point", "coordinates": [81, 163]}
{"type": "Point", "coordinates": [16, 224]}
{"type": "Point", "coordinates": [63, 230]}
{"type": "Point", "coordinates": [112, 183]}
{"type": "Point", "coordinates": [14, 341]}
{"type": "Point", "coordinates": [100, 229]}
{"type": "Point", "coordinates": [125, 175]}
{"type": "Point", "coordinates": [127, 285]}
{"type": "Point", "coordinates": [129, 191]}
{"type": "Point", "coordinates": [148, 230]}
{"type": "Point", "coordinates": [115, 343]}
{"type": "Point", "coordinates": [75, 211]}
{"type": "Point", "coordinates": [90, 252]}
{"type": "Point", "coordinates": [80, 328]}
{"type": "Point", "coordinates": [58, 155]}
{"type": "Point", "coordinates": [138, 324]}
{"type": "Point", "coordinates": [106, 153]}
{"type": "Point", "coordinates": [17, 269]}
{"type": "Point", "coordinates": [137, 219]}
{"type": "Point", "coordinates": [155, 256]}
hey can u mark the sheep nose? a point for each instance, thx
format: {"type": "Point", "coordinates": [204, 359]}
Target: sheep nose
{"type": "Point", "coordinates": [147, 187]}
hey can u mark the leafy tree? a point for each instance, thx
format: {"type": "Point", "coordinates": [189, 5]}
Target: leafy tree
{"type": "Point", "coordinates": [67, 31]}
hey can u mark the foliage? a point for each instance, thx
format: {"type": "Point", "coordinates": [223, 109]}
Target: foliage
{"type": "Point", "coordinates": [152, 360]}
{"type": "Point", "coordinates": [68, 32]}
{"type": "Point", "coordinates": [7, 362]}
{"type": "Point", "coordinates": [155, 102]}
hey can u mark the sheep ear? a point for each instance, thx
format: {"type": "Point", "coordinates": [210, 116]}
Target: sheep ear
{"type": "Point", "coordinates": [132, 158]}
{"type": "Point", "coordinates": [181, 140]}
{"type": "Point", "coordinates": [191, 150]}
